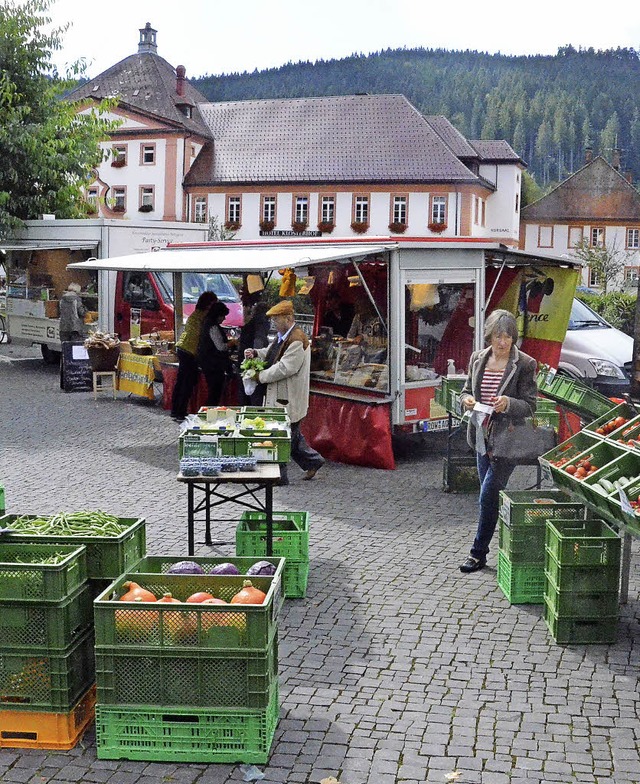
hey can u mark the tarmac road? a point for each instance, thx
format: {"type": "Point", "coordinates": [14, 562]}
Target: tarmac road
{"type": "Point", "coordinates": [396, 667]}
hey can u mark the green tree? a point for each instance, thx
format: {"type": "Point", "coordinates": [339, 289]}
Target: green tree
{"type": "Point", "coordinates": [605, 261]}
{"type": "Point", "coordinates": [48, 148]}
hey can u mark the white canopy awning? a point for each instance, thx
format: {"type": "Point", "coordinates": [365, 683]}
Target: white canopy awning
{"type": "Point", "coordinates": [223, 258]}
{"type": "Point", "coordinates": [48, 244]}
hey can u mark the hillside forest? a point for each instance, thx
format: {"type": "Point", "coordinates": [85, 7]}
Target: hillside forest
{"type": "Point", "coordinates": [549, 108]}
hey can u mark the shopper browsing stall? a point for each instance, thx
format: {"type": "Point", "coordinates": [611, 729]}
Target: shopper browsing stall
{"type": "Point", "coordinates": [72, 313]}
{"type": "Point", "coordinates": [288, 360]}
{"type": "Point", "coordinates": [254, 334]}
{"type": "Point", "coordinates": [214, 352]}
{"type": "Point", "coordinates": [501, 378]}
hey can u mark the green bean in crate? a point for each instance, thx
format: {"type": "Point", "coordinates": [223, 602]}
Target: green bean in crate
{"type": "Point", "coordinates": [113, 543]}
{"type": "Point", "coordinates": [41, 572]}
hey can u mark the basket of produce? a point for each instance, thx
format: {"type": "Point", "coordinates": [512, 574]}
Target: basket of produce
{"type": "Point", "coordinates": [103, 350]}
{"type": "Point", "coordinates": [41, 572]}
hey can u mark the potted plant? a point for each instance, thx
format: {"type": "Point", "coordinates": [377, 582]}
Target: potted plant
{"type": "Point", "coordinates": [359, 226]}
{"type": "Point", "coordinates": [299, 226]}
{"type": "Point", "coordinates": [232, 225]}
{"type": "Point", "coordinates": [118, 208]}
{"type": "Point", "coordinates": [118, 163]}
{"type": "Point", "coordinates": [397, 228]}
{"type": "Point", "coordinates": [437, 227]}
{"type": "Point", "coordinates": [326, 227]}
{"type": "Point", "coordinates": [145, 208]}
{"type": "Point", "coordinates": [267, 225]}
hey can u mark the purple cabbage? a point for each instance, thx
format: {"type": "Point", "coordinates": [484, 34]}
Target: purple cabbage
{"type": "Point", "coordinates": [262, 568]}
{"type": "Point", "coordinates": [225, 568]}
{"type": "Point", "coordinates": [185, 567]}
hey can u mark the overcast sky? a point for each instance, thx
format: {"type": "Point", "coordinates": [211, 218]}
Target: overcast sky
{"type": "Point", "coordinates": [222, 36]}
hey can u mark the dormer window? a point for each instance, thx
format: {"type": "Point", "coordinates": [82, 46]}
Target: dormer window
{"type": "Point", "coordinates": [186, 109]}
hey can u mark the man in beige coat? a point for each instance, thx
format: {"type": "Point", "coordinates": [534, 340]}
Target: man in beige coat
{"type": "Point", "coordinates": [288, 360]}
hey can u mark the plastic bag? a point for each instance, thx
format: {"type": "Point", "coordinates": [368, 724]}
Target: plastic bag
{"type": "Point", "coordinates": [249, 383]}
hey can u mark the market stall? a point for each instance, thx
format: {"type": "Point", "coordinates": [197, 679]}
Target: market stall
{"type": "Point", "coordinates": [390, 319]}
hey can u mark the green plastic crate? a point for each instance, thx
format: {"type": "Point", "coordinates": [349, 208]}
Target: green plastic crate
{"type": "Point", "coordinates": [201, 444]}
{"type": "Point", "coordinates": [570, 449]}
{"type": "Point", "coordinates": [188, 627]}
{"type": "Point", "coordinates": [588, 604]}
{"type": "Point", "coordinates": [606, 503]}
{"type": "Point", "coordinates": [581, 579]}
{"type": "Point", "coordinates": [623, 516]}
{"type": "Point", "coordinates": [534, 507]}
{"type": "Point", "coordinates": [580, 631]}
{"type": "Point", "coordinates": [275, 413]}
{"type": "Point", "coordinates": [460, 474]}
{"type": "Point", "coordinates": [290, 535]}
{"type": "Point", "coordinates": [46, 625]}
{"type": "Point", "coordinates": [623, 410]}
{"type": "Point", "coordinates": [199, 679]}
{"type": "Point", "coordinates": [177, 734]}
{"type": "Point", "coordinates": [523, 546]}
{"type": "Point", "coordinates": [296, 575]}
{"type": "Point", "coordinates": [45, 681]}
{"type": "Point", "coordinates": [583, 543]}
{"type": "Point", "coordinates": [107, 556]}
{"type": "Point", "coordinates": [543, 404]}
{"type": "Point", "coordinates": [252, 446]}
{"type": "Point", "coordinates": [600, 454]}
{"type": "Point", "coordinates": [520, 584]}
{"type": "Point", "coordinates": [573, 394]}
{"type": "Point", "coordinates": [24, 577]}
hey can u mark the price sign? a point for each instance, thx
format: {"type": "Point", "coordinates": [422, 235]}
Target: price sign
{"type": "Point", "coordinates": [624, 503]}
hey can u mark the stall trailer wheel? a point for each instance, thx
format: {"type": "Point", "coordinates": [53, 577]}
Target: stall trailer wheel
{"type": "Point", "coordinates": [50, 356]}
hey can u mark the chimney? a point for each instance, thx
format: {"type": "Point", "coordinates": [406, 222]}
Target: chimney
{"type": "Point", "coordinates": [588, 155]}
{"type": "Point", "coordinates": [615, 159]}
{"type": "Point", "coordinates": [147, 41]}
{"type": "Point", "coordinates": [180, 75]}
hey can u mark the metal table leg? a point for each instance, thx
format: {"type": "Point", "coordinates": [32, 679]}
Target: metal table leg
{"type": "Point", "coordinates": [191, 537]}
{"type": "Point", "coordinates": [626, 566]}
{"type": "Point", "coordinates": [268, 509]}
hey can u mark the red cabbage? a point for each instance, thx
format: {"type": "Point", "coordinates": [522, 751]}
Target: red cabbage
{"type": "Point", "coordinates": [262, 568]}
{"type": "Point", "coordinates": [185, 567]}
{"type": "Point", "coordinates": [225, 568]}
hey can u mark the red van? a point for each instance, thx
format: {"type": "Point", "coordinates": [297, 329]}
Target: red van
{"type": "Point", "coordinates": [152, 294]}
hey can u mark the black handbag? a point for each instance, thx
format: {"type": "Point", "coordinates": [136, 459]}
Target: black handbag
{"type": "Point", "coordinates": [523, 442]}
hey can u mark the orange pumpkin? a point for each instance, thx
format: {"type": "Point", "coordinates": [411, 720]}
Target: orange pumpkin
{"type": "Point", "coordinates": [249, 595]}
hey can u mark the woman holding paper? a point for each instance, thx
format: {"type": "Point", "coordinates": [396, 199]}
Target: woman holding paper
{"type": "Point", "coordinates": [500, 388]}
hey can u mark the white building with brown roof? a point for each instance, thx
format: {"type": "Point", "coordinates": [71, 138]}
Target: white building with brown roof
{"type": "Point", "coordinates": [340, 165]}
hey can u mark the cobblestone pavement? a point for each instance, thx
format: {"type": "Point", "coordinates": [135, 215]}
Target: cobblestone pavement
{"type": "Point", "coordinates": [395, 668]}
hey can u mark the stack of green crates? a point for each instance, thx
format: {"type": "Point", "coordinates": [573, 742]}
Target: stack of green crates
{"type": "Point", "coordinates": [522, 519]}
{"type": "Point", "coordinates": [46, 635]}
{"type": "Point", "coordinates": [188, 682]}
{"type": "Point", "coordinates": [290, 541]}
{"type": "Point", "coordinates": [582, 572]}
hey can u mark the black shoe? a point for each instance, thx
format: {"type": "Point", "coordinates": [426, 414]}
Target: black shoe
{"type": "Point", "coordinates": [473, 564]}
{"type": "Point", "coordinates": [312, 472]}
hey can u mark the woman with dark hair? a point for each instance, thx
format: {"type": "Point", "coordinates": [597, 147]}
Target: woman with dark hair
{"type": "Point", "coordinates": [213, 352]}
{"type": "Point", "coordinates": [186, 349]}
{"type": "Point", "coordinates": [502, 377]}
{"type": "Point", "coordinates": [254, 334]}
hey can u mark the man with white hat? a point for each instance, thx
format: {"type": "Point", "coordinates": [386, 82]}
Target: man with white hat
{"type": "Point", "coordinates": [288, 360]}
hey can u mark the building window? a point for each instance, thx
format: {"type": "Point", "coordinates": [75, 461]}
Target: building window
{"type": "Point", "coordinates": [399, 209]}
{"type": "Point", "coordinates": [301, 210]}
{"type": "Point", "coordinates": [597, 237]}
{"type": "Point", "coordinates": [328, 209]}
{"type": "Point", "coordinates": [438, 209]}
{"type": "Point", "coordinates": [476, 211]}
{"type": "Point", "coordinates": [545, 236]}
{"type": "Point", "coordinates": [576, 234]}
{"type": "Point", "coordinates": [517, 204]}
{"type": "Point", "coordinates": [631, 275]}
{"type": "Point", "coordinates": [147, 198]}
{"type": "Point", "coordinates": [119, 203]}
{"type": "Point", "coordinates": [361, 209]}
{"type": "Point", "coordinates": [633, 238]}
{"type": "Point", "coordinates": [92, 195]}
{"type": "Point", "coordinates": [484, 211]}
{"type": "Point", "coordinates": [119, 155]}
{"type": "Point", "coordinates": [200, 209]}
{"type": "Point", "coordinates": [147, 154]}
{"type": "Point", "coordinates": [234, 211]}
{"type": "Point", "coordinates": [269, 209]}
{"type": "Point", "coordinates": [594, 280]}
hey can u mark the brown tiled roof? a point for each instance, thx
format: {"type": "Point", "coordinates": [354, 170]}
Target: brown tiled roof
{"type": "Point", "coordinates": [146, 82]}
{"type": "Point", "coordinates": [595, 192]}
{"type": "Point", "coordinates": [495, 150]}
{"type": "Point", "coordinates": [451, 136]}
{"type": "Point", "coordinates": [351, 138]}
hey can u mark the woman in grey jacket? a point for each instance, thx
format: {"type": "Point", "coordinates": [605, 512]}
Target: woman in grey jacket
{"type": "Point", "coordinates": [502, 377]}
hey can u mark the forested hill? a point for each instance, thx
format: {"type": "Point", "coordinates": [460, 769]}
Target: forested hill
{"type": "Point", "coordinates": [549, 108]}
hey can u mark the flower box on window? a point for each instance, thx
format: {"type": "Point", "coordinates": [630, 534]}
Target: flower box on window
{"type": "Point", "coordinates": [145, 208]}
{"type": "Point", "coordinates": [118, 163]}
{"type": "Point", "coordinates": [326, 227]}
{"type": "Point", "coordinates": [437, 227]}
{"type": "Point", "coordinates": [232, 225]}
{"type": "Point", "coordinates": [359, 227]}
{"type": "Point", "coordinates": [299, 226]}
{"type": "Point", "coordinates": [397, 228]}
{"type": "Point", "coordinates": [267, 225]}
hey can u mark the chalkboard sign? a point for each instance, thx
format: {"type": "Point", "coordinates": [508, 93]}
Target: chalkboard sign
{"type": "Point", "coordinates": [75, 368]}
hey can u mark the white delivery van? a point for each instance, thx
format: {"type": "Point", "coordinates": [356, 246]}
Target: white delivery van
{"type": "Point", "coordinates": [596, 352]}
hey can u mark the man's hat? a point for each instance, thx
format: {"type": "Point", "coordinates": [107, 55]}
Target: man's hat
{"type": "Point", "coordinates": [283, 308]}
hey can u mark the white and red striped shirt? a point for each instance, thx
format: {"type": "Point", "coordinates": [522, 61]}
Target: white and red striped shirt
{"type": "Point", "coordinates": [489, 386]}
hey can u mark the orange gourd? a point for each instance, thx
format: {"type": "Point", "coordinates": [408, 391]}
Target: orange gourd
{"type": "Point", "coordinates": [200, 596]}
{"type": "Point", "coordinates": [135, 591]}
{"type": "Point", "coordinates": [249, 595]}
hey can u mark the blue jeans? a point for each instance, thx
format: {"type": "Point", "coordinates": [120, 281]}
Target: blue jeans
{"type": "Point", "coordinates": [493, 475]}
